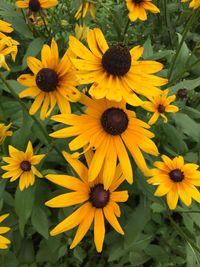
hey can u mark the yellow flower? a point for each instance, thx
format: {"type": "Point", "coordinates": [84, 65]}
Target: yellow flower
{"type": "Point", "coordinates": [52, 82]}
{"type": "Point", "coordinates": [97, 203]}
{"type": "Point", "coordinates": [4, 131]}
{"type": "Point", "coordinates": [83, 8]}
{"type": "Point", "coordinates": [36, 5]}
{"type": "Point", "coordinates": [4, 242]}
{"type": "Point", "coordinates": [193, 4]}
{"type": "Point", "coordinates": [3, 62]}
{"type": "Point", "coordinates": [5, 26]}
{"type": "Point", "coordinates": [21, 165]}
{"type": "Point", "coordinates": [137, 9]}
{"type": "Point", "coordinates": [115, 72]}
{"type": "Point", "coordinates": [176, 179]}
{"type": "Point", "coordinates": [11, 45]}
{"type": "Point", "coordinates": [159, 105]}
{"type": "Point", "coordinates": [5, 49]}
{"type": "Point", "coordinates": [111, 129]}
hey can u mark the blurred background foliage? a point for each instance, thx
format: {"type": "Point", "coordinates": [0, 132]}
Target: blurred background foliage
{"type": "Point", "coordinates": [154, 236]}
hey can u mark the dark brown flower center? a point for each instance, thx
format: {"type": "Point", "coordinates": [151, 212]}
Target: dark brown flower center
{"type": "Point", "coordinates": [182, 93]}
{"type": "Point", "coordinates": [25, 166]}
{"type": "Point", "coordinates": [99, 197]}
{"type": "Point", "coordinates": [47, 80]}
{"type": "Point", "coordinates": [114, 121]}
{"type": "Point", "coordinates": [34, 5]}
{"type": "Point", "coordinates": [161, 109]}
{"type": "Point", "coordinates": [176, 175]}
{"type": "Point", "coordinates": [137, 1]}
{"type": "Point", "coordinates": [117, 60]}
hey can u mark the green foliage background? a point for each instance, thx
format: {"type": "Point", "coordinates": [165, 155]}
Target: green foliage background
{"type": "Point", "coordinates": [154, 236]}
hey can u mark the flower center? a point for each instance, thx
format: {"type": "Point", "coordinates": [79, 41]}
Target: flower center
{"type": "Point", "coordinates": [176, 175]}
{"type": "Point", "coordinates": [25, 166]}
{"type": "Point", "coordinates": [117, 60]}
{"type": "Point", "coordinates": [137, 1]}
{"type": "Point", "coordinates": [114, 121]}
{"type": "Point", "coordinates": [47, 80]}
{"type": "Point", "coordinates": [99, 196]}
{"type": "Point", "coordinates": [161, 109]}
{"type": "Point", "coordinates": [182, 93]}
{"type": "Point", "coordinates": [34, 5]}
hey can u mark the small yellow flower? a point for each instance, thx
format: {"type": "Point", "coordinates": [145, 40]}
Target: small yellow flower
{"type": "Point", "coordinates": [82, 10]}
{"type": "Point", "coordinates": [11, 45]}
{"type": "Point", "coordinates": [4, 242]}
{"type": "Point", "coordinates": [4, 129]}
{"type": "Point", "coordinates": [159, 105]}
{"type": "Point", "coordinates": [53, 82]}
{"type": "Point", "coordinates": [7, 46]}
{"type": "Point", "coordinates": [176, 179]}
{"type": "Point", "coordinates": [137, 9]}
{"type": "Point", "coordinates": [5, 26]}
{"type": "Point", "coordinates": [97, 203]}
{"type": "Point", "coordinates": [193, 4]}
{"type": "Point", "coordinates": [36, 5]}
{"type": "Point", "coordinates": [21, 165]}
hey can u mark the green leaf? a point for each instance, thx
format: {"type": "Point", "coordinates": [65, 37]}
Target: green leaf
{"type": "Point", "coordinates": [174, 138]}
{"type": "Point", "coordinates": [148, 49]}
{"type": "Point", "coordinates": [188, 84]}
{"type": "Point", "coordinates": [24, 201]}
{"type": "Point", "coordinates": [39, 221]}
{"type": "Point", "coordinates": [21, 137]}
{"type": "Point", "coordinates": [188, 126]}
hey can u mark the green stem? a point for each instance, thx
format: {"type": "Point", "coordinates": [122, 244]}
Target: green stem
{"type": "Point", "coordinates": [167, 21]}
{"type": "Point", "coordinates": [183, 235]}
{"type": "Point", "coordinates": [184, 34]}
{"type": "Point", "coordinates": [45, 25]}
{"type": "Point", "coordinates": [25, 108]}
{"type": "Point", "coordinates": [126, 29]}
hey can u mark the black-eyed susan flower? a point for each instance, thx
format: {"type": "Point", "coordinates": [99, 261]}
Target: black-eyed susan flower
{"type": "Point", "coordinates": [111, 129]}
{"type": "Point", "coordinates": [21, 165]}
{"type": "Point", "coordinates": [11, 45]}
{"type": "Point", "coordinates": [4, 242]}
{"type": "Point", "coordinates": [52, 82]}
{"type": "Point", "coordinates": [83, 8]}
{"type": "Point", "coordinates": [5, 26]}
{"type": "Point", "coordinates": [137, 9]}
{"type": "Point", "coordinates": [115, 72]}
{"type": "Point", "coordinates": [6, 49]}
{"type": "Point", "coordinates": [97, 203]}
{"type": "Point", "coordinates": [4, 132]}
{"type": "Point", "coordinates": [176, 179]}
{"type": "Point", "coordinates": [160, 105]}
{"type": "Point", "coordinates": [193, 4]}
{"type": "Point", "coordinates": [36, 5]}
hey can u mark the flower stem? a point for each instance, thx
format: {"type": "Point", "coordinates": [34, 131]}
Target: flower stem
{"type": "Point", "coordinates": [183, 235]}
{"type": "Point", "coordinates": [187, 27]}
{"type": "Point", "coordinates": [126, 28]}
{"type": "Point", "coordinates": [167, 22]}
{"type": "Point", "coordinates": [45, 25]}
